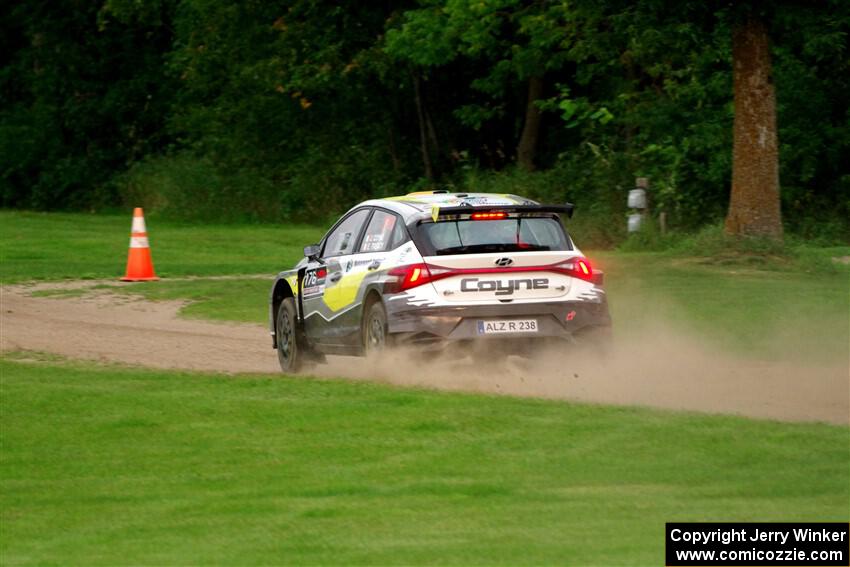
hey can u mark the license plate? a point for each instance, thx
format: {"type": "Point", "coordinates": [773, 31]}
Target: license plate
{"type": "Point", "coordinates": [507, 326]}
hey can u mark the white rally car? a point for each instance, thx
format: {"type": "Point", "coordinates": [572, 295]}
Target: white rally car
{"type": "Point", "coordinates": [435, 268]}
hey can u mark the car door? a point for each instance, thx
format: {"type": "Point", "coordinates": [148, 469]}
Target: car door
{"type": "Point", "coordinates": [361, 270]}
{"type": "Point", "coordinates": [326, 282]}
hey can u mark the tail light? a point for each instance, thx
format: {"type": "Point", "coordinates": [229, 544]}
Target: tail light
{"type": "Point", "coordinates": [578, 268]}
{"type": "Point", "coordinates": [414, 275]}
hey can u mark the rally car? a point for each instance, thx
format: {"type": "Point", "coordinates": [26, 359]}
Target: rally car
{"type": "Point", "coordinates": [435, 268]}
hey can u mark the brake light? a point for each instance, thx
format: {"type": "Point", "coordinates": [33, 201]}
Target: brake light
{"type": "Point", "coordinates": [489, 216]}
{"type": "Point", "coordinates": [578, 268]}
{"type": "Point", "coordinates": [414, 275]}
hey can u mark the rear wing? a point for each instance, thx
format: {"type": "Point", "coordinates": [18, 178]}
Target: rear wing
{"type": "Point", "coordinates": [565, 209]}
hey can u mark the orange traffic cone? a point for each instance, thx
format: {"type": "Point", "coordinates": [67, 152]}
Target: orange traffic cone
{"type": "Point", "coordinates": [139, 263]}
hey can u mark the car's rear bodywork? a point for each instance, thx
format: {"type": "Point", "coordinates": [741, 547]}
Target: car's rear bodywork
{"type": "Point", "coordinates": [446, 267]}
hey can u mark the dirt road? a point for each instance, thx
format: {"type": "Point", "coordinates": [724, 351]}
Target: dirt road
{"type": "Point", "coordinates": [107, 327]}
{"type": "Point", "coordinates": [663, 369]}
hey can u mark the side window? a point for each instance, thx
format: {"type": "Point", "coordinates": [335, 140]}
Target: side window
{"type": "Point", "coordinates": [399, 235]}
{"type": "Point", "coordinates": [342, 240]}
{"type": "Point", "coordinates": [380, 233]}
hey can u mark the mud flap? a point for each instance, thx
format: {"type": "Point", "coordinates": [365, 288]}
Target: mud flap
{"type": "Point", "coordinates": [299, 292]}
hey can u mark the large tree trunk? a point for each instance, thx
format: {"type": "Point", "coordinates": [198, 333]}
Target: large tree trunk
{"type": "Point", "coordinates": [392, 147]}
{"type": "Point", "coordinates": [423, 136]}
{"type": "Point", "coordinates": [754, 204]}
{"type": "Point", "coordinates": [432, 135]}
{"type": "Point", "coordinates": [527, 147]}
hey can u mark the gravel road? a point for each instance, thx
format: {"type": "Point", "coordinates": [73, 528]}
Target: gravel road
{"type": "Point", "coordinates": [661, 369]}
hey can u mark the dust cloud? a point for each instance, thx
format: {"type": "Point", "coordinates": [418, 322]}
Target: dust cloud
{"type": "Point", "coordinates": [662, 366]}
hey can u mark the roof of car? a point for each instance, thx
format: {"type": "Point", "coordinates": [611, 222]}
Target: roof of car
{"type": "Point", "coordinates": [422, 203]}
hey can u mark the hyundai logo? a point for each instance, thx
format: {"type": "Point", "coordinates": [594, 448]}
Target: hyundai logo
{"type": "Point", "coordinates": [504, 262]}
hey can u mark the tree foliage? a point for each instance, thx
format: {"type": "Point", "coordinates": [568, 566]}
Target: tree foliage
{"type": "Point", "coordinates": [81, 100]}
{"type": "Point", "coordinates": [292, 108]}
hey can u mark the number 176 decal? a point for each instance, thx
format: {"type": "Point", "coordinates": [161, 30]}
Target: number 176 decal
{"type": "Point", "coordinates": [314, 281]}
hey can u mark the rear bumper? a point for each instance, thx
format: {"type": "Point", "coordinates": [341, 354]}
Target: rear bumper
{"type": "Point", "coordinates": [562, 319]}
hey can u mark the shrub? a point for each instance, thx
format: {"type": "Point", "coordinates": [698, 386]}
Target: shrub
{"type": "Point", "coordinates": [185, 187]}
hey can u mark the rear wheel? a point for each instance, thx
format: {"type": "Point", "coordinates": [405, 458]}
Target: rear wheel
{"type": "Point", "coordinates": [375, 328]}
{"type": "Point", "coordinates": [289, 350]}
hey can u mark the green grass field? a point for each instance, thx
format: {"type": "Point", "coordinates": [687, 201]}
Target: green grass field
{"type": "Point", "coordinates": [103, 465]}
{"type": "Point", "coordinates": [110, 465]}
{"type": "Point", "coordinates": [75, 246]}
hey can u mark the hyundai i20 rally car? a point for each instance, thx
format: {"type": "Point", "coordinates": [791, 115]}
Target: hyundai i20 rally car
{"type": "Point", "coordinates": [434, 269]}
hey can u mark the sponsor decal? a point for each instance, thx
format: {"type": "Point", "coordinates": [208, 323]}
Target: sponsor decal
{"type": "Point", "coordinates": [357, 263]}
{"type": "Point", "coordinates": [314, 281]}
{"type": "Point", "coordinates": [500, 287]}
{"type": "Point", "coordinates": [478, 201]}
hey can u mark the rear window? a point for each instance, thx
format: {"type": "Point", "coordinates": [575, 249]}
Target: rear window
{"type": "Point", "coordinates": [507, 235]}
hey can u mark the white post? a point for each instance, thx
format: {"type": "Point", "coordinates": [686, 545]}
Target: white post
{"type": "Point", "coordinates": [637, 203]}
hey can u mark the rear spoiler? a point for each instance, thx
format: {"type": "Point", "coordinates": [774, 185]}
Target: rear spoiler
{"type": "Point", "coordinates": [565, 209]}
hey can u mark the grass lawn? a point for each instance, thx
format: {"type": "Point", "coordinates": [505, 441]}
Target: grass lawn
{"type": "Point", "coordinates": [243, 299]}
{"type": "Point", "coordinates": [779, 312]}
{"type": "Point", "coordinates": [107, 465]}
{"type": "Point", "coordinates": [75, 246]}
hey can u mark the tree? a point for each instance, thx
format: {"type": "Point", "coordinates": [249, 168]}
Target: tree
{"type": "Point", "coordinates": [81, 96]}
{"type": "Point", "coordinates": [754, 206]}
{"type": "Point", "coordinates": [513, 43]}
{"type": "Point", "coordinates": [271, 110]}
{"type": "Point", "coordinates": [527, 147]}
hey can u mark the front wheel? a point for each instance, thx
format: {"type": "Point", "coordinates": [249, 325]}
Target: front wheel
{"type": "Point", "coordinates": [289, 351]}
{"type": "Point", "coordinates": [375, 328]}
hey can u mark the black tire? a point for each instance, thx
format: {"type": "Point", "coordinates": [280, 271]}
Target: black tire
{"type": "Point", "coordinates": [374, 330]}
{"type": "Point", "coordinates": [290, 351]}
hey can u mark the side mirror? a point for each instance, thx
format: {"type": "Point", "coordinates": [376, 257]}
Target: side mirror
{"type": "Point", "coordinates": [312, 251]}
